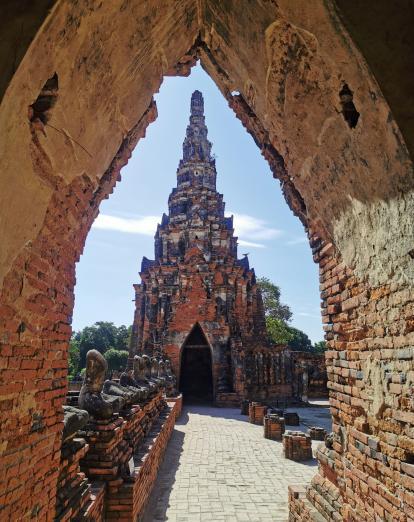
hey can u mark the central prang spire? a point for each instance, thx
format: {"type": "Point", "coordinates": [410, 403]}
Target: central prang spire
{"type": "Point", "coordinates": [197, 165]}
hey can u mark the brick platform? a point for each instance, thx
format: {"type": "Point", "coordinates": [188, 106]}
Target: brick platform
{"type": "Point", "coordinates": [297, 446]}
{"type": "Point", "coordinates": [73, 488]}
{"type": "Point", "coordinates": [274, 427]}
{"type": "Point", "coordinates": [129, 497]}
{"type": "Point", "coordinates": [257, 411]}
{"type": "Point", "coordinates": [179, 404]}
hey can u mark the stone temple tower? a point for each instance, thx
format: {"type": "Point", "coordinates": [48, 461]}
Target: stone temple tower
{"type": "Point", "coordinates": [198, 303]}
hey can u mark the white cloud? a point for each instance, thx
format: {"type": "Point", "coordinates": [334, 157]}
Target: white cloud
{"type": "Point", "coordinates": [145, 225]}
{"type": "Point", "coordinates": [249, 227]}
{"type": "Point", "coordinates": [250, 244]}
{"type": "Point", "coordinates": [307, 314]}
{"type": "Point", "coordinates": [298, 241]}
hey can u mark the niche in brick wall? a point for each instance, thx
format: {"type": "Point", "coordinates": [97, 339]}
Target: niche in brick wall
{"type": "Point", "coordinates": [40, 110]}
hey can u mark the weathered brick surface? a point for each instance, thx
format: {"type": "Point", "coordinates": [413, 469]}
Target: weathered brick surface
{"type": "Point", "coordinates": [297, 446]}
{"type": "Point", "coordinates": [369, 362]}
{"type": "Point", "coordinates": [352, 185]}
{"type": "Point", "coordinates": [274, 427]}
{"type": "Point", "coordinates": [257, 411]}
{"type": "Point", "coordinates": [35, 312]}
{"type": "Point", "coordinates": [73, 488]}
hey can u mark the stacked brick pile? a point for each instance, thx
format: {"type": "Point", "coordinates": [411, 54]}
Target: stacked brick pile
{"type": "Point", "coordinates": [297, 446]}
{"type": "Point", "coordinates": [317, 433]}
{"type": "Point", "coordinates": [274, 426]}
{"type": "Point", "coordinates": [109, 453]}
{"type": "Point", "coordinates": [73, 488]}
{"type": "Point", "coordinates": [257, 412]}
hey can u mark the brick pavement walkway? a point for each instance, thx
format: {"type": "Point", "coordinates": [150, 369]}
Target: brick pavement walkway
{"type": "Point", "coordinates": [218, 467]}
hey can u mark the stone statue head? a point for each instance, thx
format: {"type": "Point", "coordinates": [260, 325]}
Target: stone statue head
{"type": "Point", "coordinates": [147, 366]}
{"type": "Point", "coordinates": [161, 368]}
{"type": "Point", "coordinates": [154, 367]}
{"type": "Point", "coordinates": [96, 368]}
{"type": "Point", "coordinates": [137, 367]}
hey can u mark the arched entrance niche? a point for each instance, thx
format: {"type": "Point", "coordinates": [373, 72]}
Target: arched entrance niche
{"type": "Point", "coordinates": [196, 368]}
{"type": "Point", "coordinates": [76, 106]}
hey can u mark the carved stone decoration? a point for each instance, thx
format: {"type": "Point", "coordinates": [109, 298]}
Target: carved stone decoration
{"type": "Point", "coordinates": [127, 381]}
{"type": "Point", "coordinates": [154, 372]}
{"type": "Point", "coordinates": [139, 377]}
{"type": "Point", "coordinates": [115, 389]}
{"type": "Point", "coordinates": [153, 386]}
{"type": "Point", "coordinates": [91, 398]}
{"type": "Point", "coordinates": [74, 419]}
{"type": "Point", "coordinates": [161, 372]}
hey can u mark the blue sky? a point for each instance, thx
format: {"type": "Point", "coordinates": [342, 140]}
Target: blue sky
{"type": "Point", "coordinates": [124, 230]}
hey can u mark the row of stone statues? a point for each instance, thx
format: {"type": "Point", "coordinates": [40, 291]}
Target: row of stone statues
{"type": "Point", "coordinates": [102, 398]}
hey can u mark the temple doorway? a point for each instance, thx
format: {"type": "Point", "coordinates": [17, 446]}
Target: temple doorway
{"type": "Point", "coordinates": [196, 376]}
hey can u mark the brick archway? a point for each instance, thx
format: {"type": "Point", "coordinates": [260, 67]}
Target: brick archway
{"type": "Point", "coordinates": [75, 108]}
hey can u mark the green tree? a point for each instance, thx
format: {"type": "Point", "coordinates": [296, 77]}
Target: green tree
{"type": "Point", "coordinates": [74, 358]}
{"type": "Point", "coordinates": [299, 340]}
{"type": "Point", "coordinates": [320, 347]}
{"type": "Point", "coordinates": [101, 336]}
{"type": "Point", "coordinates": [116, 359]}
{"type": "Point", "coordinates": [278, 330]}
{"type": "Point", "coordinates": [123, 336]}
{"type": "Point", "coordinates": [271, 300]}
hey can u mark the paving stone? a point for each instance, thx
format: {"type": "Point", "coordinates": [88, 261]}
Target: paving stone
{"type": "Point", "coordinates": [219, 467]}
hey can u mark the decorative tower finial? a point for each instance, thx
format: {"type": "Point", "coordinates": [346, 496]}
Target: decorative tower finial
{"type": "Point", "coordinates": [196, 147]}
{"type": "Point", "coordinates": [197, 104]}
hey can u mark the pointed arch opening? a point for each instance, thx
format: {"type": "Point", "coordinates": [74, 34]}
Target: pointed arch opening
{"type": "Point", "coordinates": [196, 371]}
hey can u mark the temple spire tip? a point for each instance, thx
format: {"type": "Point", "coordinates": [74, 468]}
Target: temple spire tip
{"type": "Point", "coordinates": [197, 104]}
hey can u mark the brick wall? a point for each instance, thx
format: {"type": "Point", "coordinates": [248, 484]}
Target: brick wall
{"type": "Point", "coordinates": [367, 471]}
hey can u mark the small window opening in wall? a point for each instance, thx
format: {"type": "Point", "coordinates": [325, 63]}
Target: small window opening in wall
{"type": "Point", "coordinates": [40, 110]}
{"type": "Point", "coordinates": [411, 253]}
{"type": "Point", "coordinates": [351, 115]}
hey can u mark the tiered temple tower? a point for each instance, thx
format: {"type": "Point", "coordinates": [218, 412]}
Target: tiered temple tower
{"type": "Point", "coordinates": [199, 304]}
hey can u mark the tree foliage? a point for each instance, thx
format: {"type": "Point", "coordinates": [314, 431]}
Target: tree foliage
{"type": "Point", "coordinates": [299, 340]}
{"type": "Point", "coordinates": [278, 330]}
{"type": "Point", "coordinates": [277, 317]}
{"type": "Point", "coordinates": [101, 336]}
{"type": "Point", "coordinates": [74, 358]}
{"type": "Point", "coordinates": [116, 359]}
{"type": "Point", "coordinates": [271, 300]}
{"type": "Point", "coordinates": [320, 347]}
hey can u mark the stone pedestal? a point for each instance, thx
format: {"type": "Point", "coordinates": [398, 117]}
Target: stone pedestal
{"type": "Point", "coordinates": [111, 457]}
{"type": "Point", "coordinates": [274, 427]}
{"type": "Point", "coordinates": [77, 499]}
{"type": "Point", "coordinates": [73, 488]}
{"type": "Point", "coordinates": [297, 446]}
{"type": "Point", "coordinates": [317, 433]}
{"type": "Point", "coordinates": [257, 411]}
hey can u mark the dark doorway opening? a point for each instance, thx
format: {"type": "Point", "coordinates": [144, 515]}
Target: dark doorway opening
{"type": "Point", "coordinates": [196, 376]}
